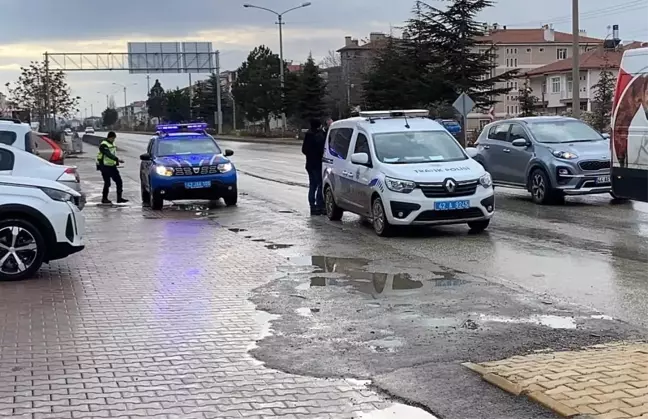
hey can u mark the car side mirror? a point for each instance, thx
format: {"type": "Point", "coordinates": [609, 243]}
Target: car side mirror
{"type": "Point", "coordinates": [520, 142]}
{"type": "Point", "coordinates": [228, 152]}
{"type": "Point", "coordinates": [472, 152]}
{"type": "Point", "coordinates": [361, 159]}
{"type": "Point", "coordinates": [145, 157]}
{"type": "Point", "coordinates": [606, 136]}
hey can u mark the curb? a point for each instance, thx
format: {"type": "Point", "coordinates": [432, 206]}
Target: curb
{"type": "Point", "coordinates": [516, 390]}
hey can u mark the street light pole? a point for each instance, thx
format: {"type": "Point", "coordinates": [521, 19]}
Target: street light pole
{"type": "Point", "coordinates": [575, 60]}
{"type": "Point", "coordinates": [280, 22]}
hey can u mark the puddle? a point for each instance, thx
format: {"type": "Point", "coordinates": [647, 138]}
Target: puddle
{"type": "Point", "coordinates": [237, 230]}
{"type": "Point", "coordinates": [275, 246]}
{"type": "Point", "coordinates": [397, 411]}
{"type": "Point", "coordinates": [258, 240]}
{"type": "Point", "coordinates": [385, 345]}
{"type": "Point", "coordinates": [352, 272]}
{"type": "Point", "coordinates": [442, 322]}
{"type": "Point", "coordinates": [262, 319]}
{"type": "Point", "coordinates": [304, 311]}
{"type": "Point", "coordinates": [554, 322]}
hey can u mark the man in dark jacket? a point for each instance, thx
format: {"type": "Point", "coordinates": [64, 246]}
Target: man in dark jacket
{"type": "Point", "coordinates": [313, 149]}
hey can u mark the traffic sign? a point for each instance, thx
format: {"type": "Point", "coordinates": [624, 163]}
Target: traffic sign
{"type": "Point", "coordinates": [464, 104]}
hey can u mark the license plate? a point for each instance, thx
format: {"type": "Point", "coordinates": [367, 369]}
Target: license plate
{"type": "Point", "coordinates": [603, 179]}
{"type": "Point", "coordinates": [451, 205]}
{"type": "Point", "coordinates": [198, 185]}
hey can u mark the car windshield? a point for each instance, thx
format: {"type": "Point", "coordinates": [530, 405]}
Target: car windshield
{"type": "Point", "coordinates": [564, 132]}
{"type": "Point", "coordinates": [187, 146]}
{"type": "Point", "coordinates": [417, 147]}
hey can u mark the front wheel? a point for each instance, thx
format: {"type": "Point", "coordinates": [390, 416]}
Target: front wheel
{"type": "Point", "coordinates": [22, 249]}
{"type": "Point", "coordinates": [478, 226]}
{"type": "Point", "coordinates": [541, 191]}
{"type": "Point", "coordinates": [379, 219]}
{"type": "Point", "coordinates": [155, 201]}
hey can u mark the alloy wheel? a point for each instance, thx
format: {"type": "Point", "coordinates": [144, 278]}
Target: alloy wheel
{"type": "Point", "coordinates": [538, 187]}
{"type": "Point", "coordinates": [329, 202]}
{"type": "Point", "coordinates": [18, 250]}
{"type": "Point", "coordinates": [378, 216]}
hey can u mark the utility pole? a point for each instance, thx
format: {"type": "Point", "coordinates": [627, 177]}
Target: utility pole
{"type": "Point", "coordinates": [47, 88]}
{"type": "Point", "coordinates": [219, 107]}
{"type": "Point", "coordinates": [148, 83]}
{"type": "Point", "coordinates": [91, 110]}
{"type": "Point", "coordinates": [190, 99]}
{"type": "Point", "coordinates": [281, 68]}
{"type": "Point", "coordinates": [575, 60]}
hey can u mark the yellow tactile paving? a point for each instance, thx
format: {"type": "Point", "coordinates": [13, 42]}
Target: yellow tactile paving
{"type": "Point", "coordinates": [601, 382]}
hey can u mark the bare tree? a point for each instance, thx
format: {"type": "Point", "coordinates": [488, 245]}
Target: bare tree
{"type": "Point", "coordinates": [332, 59]}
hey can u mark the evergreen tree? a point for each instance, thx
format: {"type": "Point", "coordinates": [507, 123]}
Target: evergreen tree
{"type": "Point", "coordinates": [463, 68]}
{"type": "Point", "coordinates": [257, 89]}
{"type": "Point", "coordinates": [312, 90]}
{"type": "Point", "coordinates": [156, 102]}
{"type": "Point", "coordinates": [527, 100]}
{"type": "Point", "coordinates": [603, 98]}
{"type": "Point", "coordinates": [389, 81]}
{"type": "Point", "coordinates": [177, 106]}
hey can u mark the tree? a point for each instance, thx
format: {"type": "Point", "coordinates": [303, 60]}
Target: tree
{"type": "Point", "coordinates": [527, 100]}
{"type": "Point", "coordinates": [109, 117]}
{"type": "Point", "coordinates": [457, 62]}
{"type": "Point", "coordinates": [311, 93]}
{"type": "Point", "coordinates": [178, 107]}
{"type": "Point", "coordinates": [603, 98]}
{"type": "Point", "coordinates": [156, 102]}
{"type": "Point", "coordinates": [332, 59]}
{"type": "Point", "coordinates": [44, 92]}
{"type": "Point", "coordinates": [387, 84]}
{"type": "Point", "coordinates": [257, 89]}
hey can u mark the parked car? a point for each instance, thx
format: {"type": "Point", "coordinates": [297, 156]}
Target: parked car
{"type": "Point", "coordinates": [89, 130]}
{"type": "Point", "coordinates": [39, 223]}
{"type": "Point", "coordinates": [26, 164]}
{"type": "Point", "coordinates": [47, 149]}
{"type": "Point", "coordinates": [68, 131]}
{"type": "Point", "coordinates": [551, 157]}
{"type": "Point", "coordinates": [15, 133]}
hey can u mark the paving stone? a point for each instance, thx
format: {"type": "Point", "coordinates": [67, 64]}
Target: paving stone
{"type": "Point", "coordinates": [152, 320]}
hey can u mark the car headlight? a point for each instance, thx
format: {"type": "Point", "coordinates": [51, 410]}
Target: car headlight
{"type": "Point", "coordinates": [564, 155]}
{"type": "Point", "coordinates": [486, 180]}
{"type": "Point", "coordinates": [398, 185]}
{"type": "Point", "coordinates": [225, 167]}
{"type": "Point", "coordinates": [163, 171]}
{"type": "Point", "coordinates": [57, 195]}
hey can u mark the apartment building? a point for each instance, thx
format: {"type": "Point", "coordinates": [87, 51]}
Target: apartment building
{"type": "Point", "coordinates": [355, 59]}
{"type": "Point", "coordinates": [552, 83]}
{"type": "Point", "coordinates": [526, 50]}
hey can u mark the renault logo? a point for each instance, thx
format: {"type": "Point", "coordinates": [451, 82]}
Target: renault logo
{"type": "Point", "coordinates": [196, 169]}
{"type": "Point", "coordinates": [450, 185]}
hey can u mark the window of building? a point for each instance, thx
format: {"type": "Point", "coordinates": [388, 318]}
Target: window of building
{"type": "Point", "coordinates": [555, 85]}
{"type": "Point", "coordinates": [528, 49]}
{"type": "Point", "coordinates": [514, 62]}
{"type": "Point", "coordinates": [561, 53]}
{"type": "Point", "coordinates": [541, 49]}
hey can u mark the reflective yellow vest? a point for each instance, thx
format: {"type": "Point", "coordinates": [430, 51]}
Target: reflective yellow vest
{"type": "Point", "coordinates": [106, 160]}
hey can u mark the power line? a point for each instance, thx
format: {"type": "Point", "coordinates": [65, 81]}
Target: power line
{"type": "Point", "coordinates": [628, 6]}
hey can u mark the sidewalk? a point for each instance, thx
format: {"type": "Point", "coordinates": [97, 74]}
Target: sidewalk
{"type": "Point", "coordinates": [152, 320]}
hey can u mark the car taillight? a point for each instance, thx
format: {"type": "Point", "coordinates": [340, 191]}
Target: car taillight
{"type": "Point", "coordinates": [70, 175]}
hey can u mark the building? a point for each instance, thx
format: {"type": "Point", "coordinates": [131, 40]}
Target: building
{"type": "Point", "coordinates": [355, 60]}
{"type": "Point", "coordinates": [552, 83]}
{"type": "Point", "coordinates": [526, 50]}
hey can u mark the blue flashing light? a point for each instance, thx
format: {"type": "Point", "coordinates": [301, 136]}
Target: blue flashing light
{"type": "Point", "coordinates": [191, 127]}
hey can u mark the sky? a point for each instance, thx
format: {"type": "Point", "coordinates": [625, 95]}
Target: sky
{"type": "Point", "coordinates": [28, 29]}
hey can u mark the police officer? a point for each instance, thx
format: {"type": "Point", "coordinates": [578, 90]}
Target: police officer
{"type": "Point", "coordinates": [107, 163]}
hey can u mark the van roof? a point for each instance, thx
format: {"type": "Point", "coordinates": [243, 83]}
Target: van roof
{"type": "Point", "coordinates": [635, 61]}
{"type": "Point", "coordinates": [389, 124]}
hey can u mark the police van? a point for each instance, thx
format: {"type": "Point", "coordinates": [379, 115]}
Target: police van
{"type": "Point", "coordinates": [401, 168]}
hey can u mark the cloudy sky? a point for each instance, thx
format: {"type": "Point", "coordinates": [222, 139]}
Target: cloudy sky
{"type": "Point", "coordinates": [27, 29]}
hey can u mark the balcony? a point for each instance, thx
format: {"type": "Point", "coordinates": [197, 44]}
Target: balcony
{"type": "Point", "coordinates": [567, 96]}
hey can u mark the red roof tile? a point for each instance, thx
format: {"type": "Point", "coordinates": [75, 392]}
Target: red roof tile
{"type": "Point", "coordinates": [530, 36]}
{"type": "Point", "coordinates": [597, 58]}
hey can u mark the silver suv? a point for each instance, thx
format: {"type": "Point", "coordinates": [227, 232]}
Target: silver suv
{"type": "Point", "coordinates": [549, 156]}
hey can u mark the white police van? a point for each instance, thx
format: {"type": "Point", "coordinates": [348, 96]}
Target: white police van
{"type": "Point", "coordinates": [402, 168]}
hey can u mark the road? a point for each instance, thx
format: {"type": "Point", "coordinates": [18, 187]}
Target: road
{"type": "Point", "coordinates": [590, 251]}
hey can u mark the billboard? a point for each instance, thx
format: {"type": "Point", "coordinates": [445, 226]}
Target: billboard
{"type": "Point", "coordinates": [171, 57]}
{"type": "Point", "coordinates": [198, 57]}
{"type": "Point", "coordinates": [154, 57]}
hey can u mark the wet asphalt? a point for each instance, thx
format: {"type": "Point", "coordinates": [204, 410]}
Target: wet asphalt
{"type": "Point", "coordinates": [404, 312]}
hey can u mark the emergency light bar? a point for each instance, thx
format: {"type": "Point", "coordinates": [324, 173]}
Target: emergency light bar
{"type": "Point", "coordinates": [409, 113]}
{"type": "Point", "coordinates": [191, 127]}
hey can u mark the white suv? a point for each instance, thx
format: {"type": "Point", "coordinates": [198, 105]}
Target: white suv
{"type": "Point", "coordinates": [39, 222]}
{"type": "Point", "coordinates": [402, 168]}
{"type": "Point", "coordinates": [16, 134]}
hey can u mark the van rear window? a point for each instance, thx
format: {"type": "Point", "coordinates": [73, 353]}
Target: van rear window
{"type": "Point", "coordinates": [7, 137]}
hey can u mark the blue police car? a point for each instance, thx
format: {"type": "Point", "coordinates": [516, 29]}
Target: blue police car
{"type": "Point", "coordinates": [184, 162]}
